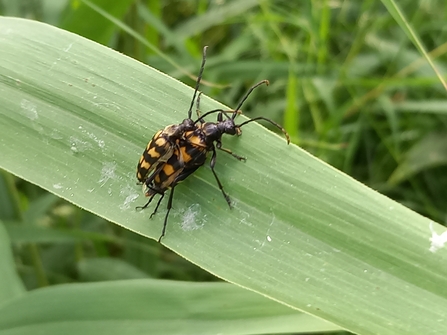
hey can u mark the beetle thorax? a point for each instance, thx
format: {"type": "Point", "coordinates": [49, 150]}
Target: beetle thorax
{"type": "Point", "coordinates": [173, 130]}
{"type": "Point", "coordinates": [227, 127]}
{"type": "Point", "coordinates": [176, 131]}
{"type": "Point", "coordinates": [187, 125]}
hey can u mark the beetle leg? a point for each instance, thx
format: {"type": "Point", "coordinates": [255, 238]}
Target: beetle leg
{"type": "Point", "coordinates": [158, 204]}
{"type": "Point", "coordinates": [147, 203]}
{"type": "Point", "coordinates": [212, 164]}
{"type": "Point", "coordinates": [228, 151]}
{"type": "Point", "coordinates": [171, 196]}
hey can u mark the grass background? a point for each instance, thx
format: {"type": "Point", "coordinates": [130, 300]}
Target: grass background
{"type": "Point", "coordinates": [349, 82]}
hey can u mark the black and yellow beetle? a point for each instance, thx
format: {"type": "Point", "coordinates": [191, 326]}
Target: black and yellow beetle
{"type": "Point", "coordinates": [192, 150]}
{"type": "Point", "coordinates": [168, 175]}
{"type": "Point", "coordinates": [161, 147]}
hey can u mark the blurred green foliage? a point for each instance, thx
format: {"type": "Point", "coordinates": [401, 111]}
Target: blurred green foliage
{"type": "Point", "coordinates": [346, 82]}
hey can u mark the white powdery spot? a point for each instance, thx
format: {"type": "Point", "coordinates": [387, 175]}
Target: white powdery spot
{"type": "Point", "coordinates": [77, 145]}
{"type": "Point", "coordinates": [57, 186]}
{"type": "Point", "coordinates": [437, 241]}
{"type": "Point", "coordinates": [189, 220]}
{"type": "Point", "coordinates": [244, 216]}
{"type": "Point", "coordinates": [29, 109]}
{"type": "Point", "coordinates": [268, 237]}
{"type": "Point", "coordinates": [93, 137]}
{"type": "Point", "coordinates": [56, 134]}
{"type": "Point", "coordinates": [130, 196]}
{"type": "Point", "coordinates": [99, 142]}
{"type": "Point", "coordinates": [67, 49]}
{"type": "Point", "coordinates": [107, 172]}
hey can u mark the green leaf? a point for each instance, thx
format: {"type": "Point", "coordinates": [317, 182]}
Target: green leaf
{"type": "Point", "coordinates": [11, 286]}
{"type": "Point", "coordinates": [75, 118]}
{"type": "Point", "coordinates": [220, 13]}
{"type": "Point", "coordinates": [400, 18]}
{"type": "Point", "coordinates": [151, 307]}
{"type": "Point", "coordinates": [20, 233]}
{"type": "Point", "coordinates": [422, 106]}
{"type": "Point", "coordinates": [101, 269]}
{"type": "Point", "coordinates": [429, 152]}
{"type": "Point", "coordinates": [9, 198]}
{"type": "Point", "coordinates": [99, 29]}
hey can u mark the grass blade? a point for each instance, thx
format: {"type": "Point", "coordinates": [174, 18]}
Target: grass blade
{"type": "Point", "coordinates": [75, 118]}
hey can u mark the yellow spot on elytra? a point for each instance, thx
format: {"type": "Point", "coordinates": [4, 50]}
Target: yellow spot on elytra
{"type": "Point", "coordinates": [160, 142]}
{"type": "Point", "coordinates": [153, 153]}
{"type": "Point", "coordinates": [185, 155]}
{"type": "Point", "coordinates": [195, 140]}
{"type": "Point", "coordinates": [168, 169]}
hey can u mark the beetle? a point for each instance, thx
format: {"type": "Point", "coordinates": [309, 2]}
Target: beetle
{"type": "Point", "coordinates": [208, 136]}
{"type": "Point", "coordinates": [192, 151]}
{"type": "Point", "coordinates": [171, 173]}
{"type": "Point", "coordinates": [161, 147]}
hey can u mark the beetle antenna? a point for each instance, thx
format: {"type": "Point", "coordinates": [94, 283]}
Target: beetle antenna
{"type": "Point", "coordinates": [214, 111]}
{"type": "Point", "coordinates": [272, 122]}
{"type": "Point", "coordinates": [202, 67]}
{"type": "Point", "coordinates": [248, 93]}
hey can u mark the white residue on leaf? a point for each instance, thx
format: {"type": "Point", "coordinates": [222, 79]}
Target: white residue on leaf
{"type": "Point", "coordinates": [85, 141]}
{"type": "Point", "coordinates": [78, 145]}
{"type": "Point", "coordinates": [92, 136]}
{"type": "Point", "coordinates": [29, 109]}
{"type": "Point", "coordinates": [56, 134]}
{"type": "Point", "coordinates": [268, 238]}
{"type": "Point", "coordinates": [243, 215]}
{"type": "Point", "coordinates": [437, 241]}
{"type": "Point", "coordinates": [69, 47]}
{"type": "Point", "coordinates": [190, 220]}
{"type": "Point", "coordinates": [129, 195]}
{"type": "Point", "coordinates": [107, 172]}
{"type": "Point", "coordinates": [57, 186]}
{"type": "Point", "coordinates": [108, 105]}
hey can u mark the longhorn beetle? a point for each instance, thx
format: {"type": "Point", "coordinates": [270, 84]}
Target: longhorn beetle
{"type": "Point", "coordinates": [192, 150]}
{"type": "Point", "coordinates": [161, 147]}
